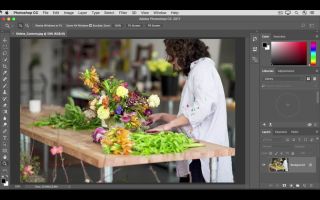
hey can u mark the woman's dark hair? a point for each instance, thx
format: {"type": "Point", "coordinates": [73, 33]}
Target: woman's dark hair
{"type": "Point", "coordinates": [187, 51]}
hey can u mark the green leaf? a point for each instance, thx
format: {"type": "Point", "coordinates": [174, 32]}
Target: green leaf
{"type": "Point", "coordinates": [73, 118]}
{"type": "Point", "coordinates": [106, 86]}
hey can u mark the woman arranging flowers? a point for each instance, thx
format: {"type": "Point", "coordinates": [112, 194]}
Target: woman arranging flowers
{"type": "Point", "coordinates": [202, 112]}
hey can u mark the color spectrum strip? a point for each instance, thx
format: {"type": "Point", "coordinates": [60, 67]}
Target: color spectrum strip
{"type": "Point", "coordinates": [313, 50]}
{"type": "Point", "coordinates": [289, 53]}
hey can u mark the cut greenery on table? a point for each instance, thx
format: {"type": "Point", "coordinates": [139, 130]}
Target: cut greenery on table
{"type": "Point", "coordinates": [120, 141]}
{"type": "Point", "coordinates": [161, 143]}
{"type": "Point", "coordinates": [73, 117]}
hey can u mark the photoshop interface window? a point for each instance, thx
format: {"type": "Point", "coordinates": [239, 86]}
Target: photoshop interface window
{"type": "Point", "coordinates": [266, 60]}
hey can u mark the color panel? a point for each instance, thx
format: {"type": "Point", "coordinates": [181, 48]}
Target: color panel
{"type": "Point", "coordinates": [289, 53]}
{"type": "Point", "coordinates": [313, 53]}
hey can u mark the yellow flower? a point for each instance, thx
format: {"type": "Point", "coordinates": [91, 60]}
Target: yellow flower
{"type": "Point", "coordinates": [103, 113]}
{"type": "Point", "coordinates": [163, 65]}
{"type": "Point", "coordinates": [152, 66]}
{"type": "Point", "coordinates": [122, 91]}
{"type": "Point", "coordinates": [153, 101]}
{"type": "Point", "coordinates": [135, 122]}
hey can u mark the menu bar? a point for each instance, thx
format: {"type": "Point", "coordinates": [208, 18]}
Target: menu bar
{"type": "Point", "coordinates": [160, 12]}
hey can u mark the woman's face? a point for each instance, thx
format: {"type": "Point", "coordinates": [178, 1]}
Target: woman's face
{"type": "Point", "coordinates": [174, 62]}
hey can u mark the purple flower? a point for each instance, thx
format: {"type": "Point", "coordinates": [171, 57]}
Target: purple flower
{"type": "Point", "coordinates": [133, 99]}
{"type": "Point", "coordinates": [98, 134]}
{"type": "Point", "coordinates": [147, 112]}
{"type": "Point", "coordinates": [119, 110]}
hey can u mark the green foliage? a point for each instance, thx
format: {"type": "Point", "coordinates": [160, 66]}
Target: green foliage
{"type": "Point", "coordinates": [161, 143]}
{"type": "Point", "coordinates": [228, 71]}
{"type": "Point", "coordinates": [73, 118]}
{"type": "Point", "coordinates": [110, 85]}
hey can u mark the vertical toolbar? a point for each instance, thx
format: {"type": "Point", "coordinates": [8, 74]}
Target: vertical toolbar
{"type": "Point", "coordinates": [4, 116]}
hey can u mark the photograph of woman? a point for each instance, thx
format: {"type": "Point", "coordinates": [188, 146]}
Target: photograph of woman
{"type": "Point", "coordinates": [202, 111]}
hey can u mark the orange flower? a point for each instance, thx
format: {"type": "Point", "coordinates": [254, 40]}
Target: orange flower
{"type": "Point", "coordinates": [105, 102]}
{"type": "Point", "coordinates": [106, 141]}
{"type": "Point", "coordinates": [95, 89]}
{"type": "Point", "coordinates": [116, 98]}
{"type": "Point", "coordinates": [119, 141]}
{"type": "Point", "coordinates": [145, 106]}
{"type": "Point", "coordinates": [90, 79]}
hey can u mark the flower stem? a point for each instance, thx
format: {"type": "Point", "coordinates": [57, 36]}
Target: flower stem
{"type": "Point", "coordinates": [54, 172]}
{"type": "Point", "coordinates": [64, 169]}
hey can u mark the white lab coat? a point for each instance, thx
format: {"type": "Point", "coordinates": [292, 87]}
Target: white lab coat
{"type": "Point", "coordinates": [203, 103]}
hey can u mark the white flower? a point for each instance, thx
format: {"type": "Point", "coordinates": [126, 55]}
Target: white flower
{"type": "Point", "coordinates": [101, 98]}
{"type": "Point", "coordinates": [90, 114]}
{"type": "Point", "coordinates": [153, 101]}
{"type": "Point", "coordinates": [93, 104]}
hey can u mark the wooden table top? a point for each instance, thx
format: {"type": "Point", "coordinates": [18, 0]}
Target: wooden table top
{"type": "Point", "coordinates": [79, 144]}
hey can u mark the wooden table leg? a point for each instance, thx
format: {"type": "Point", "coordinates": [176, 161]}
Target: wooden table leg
{"type": "Point", "coordinates": [106, 174]}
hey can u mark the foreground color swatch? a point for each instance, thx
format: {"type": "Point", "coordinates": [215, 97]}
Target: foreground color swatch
{"type": "Point", "coordinates": [289, 53]}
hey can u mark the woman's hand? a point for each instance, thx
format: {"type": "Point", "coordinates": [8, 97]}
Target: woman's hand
{"type": "Point", "coordinates": [155, 117]}
{"type": "Point", "coordinates": [175, 123]}
{"type": "Point", "coordinates": [164, 127]}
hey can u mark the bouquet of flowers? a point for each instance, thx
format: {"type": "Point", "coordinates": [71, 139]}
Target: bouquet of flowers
{"type": "Point", "coordinates": [115, 105]}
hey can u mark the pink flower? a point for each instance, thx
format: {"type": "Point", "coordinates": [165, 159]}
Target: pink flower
{"type": "Point", "coordinates": [132, 114]}
{"type": "Point", "coordinates": [56, 150]}
{"type": "Point", "coordinates": [125, 118]}
{"type": "Point", "coordinates": [60, 149]}
{"type": "Point", "coordinates": [125, 84]}
{"type": "Point", "coordinates": [27, 170]}
{"type": "Point", "coordinates": [98, 134]}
